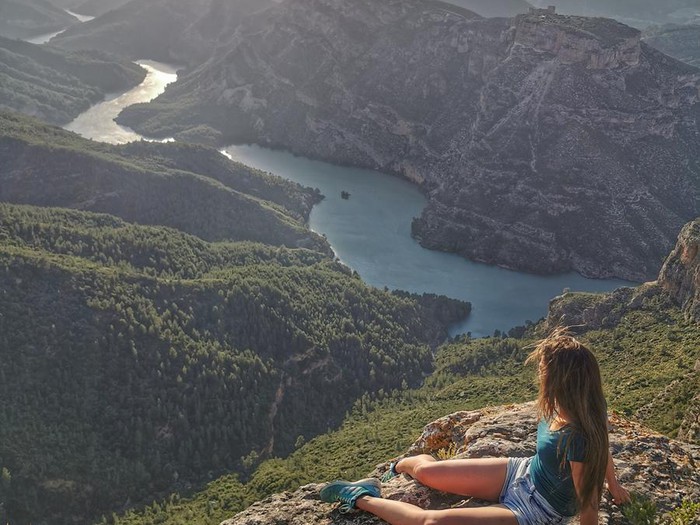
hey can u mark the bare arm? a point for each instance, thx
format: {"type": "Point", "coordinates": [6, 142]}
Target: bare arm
{"type": "Point", "coordinates": [618, 492]}
{"type": "Point", "coordinates": [589, 512]}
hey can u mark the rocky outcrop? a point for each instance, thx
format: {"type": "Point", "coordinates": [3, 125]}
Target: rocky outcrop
{"type": "Point", "coordinates": [545, 143]}
{"type": "Point", "coordinates": [638, 13]}
{"type": "Point", "coordinates": [594, 43]}
{"type": "Point", "coordinates": [647, 463]}
{"type": "Point", "coordinates": [592, 311]}
{"type": "Point", "coordinates": [679, 279]}
{"type": "Point", "coordinates": [680, 275]}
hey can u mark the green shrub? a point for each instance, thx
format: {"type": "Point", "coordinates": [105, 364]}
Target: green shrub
{"type": "Point", "coordinates": [640, 510]}
{"type": "Point", "coordinates": [687, 514]}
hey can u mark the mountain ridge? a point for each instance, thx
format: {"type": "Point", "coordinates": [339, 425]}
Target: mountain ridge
{"type": "Point", "coordinates": [29, 18]}
{"type": "Point", "coordinates": [520, 132]}
{"type": "Point", "coordinates": [47, 166]}
{"type": "Point", "coordinates": [55, 85]}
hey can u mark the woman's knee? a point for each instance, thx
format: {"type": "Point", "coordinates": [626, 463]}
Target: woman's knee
{"type": "Point", "coordinates": [424, 470]}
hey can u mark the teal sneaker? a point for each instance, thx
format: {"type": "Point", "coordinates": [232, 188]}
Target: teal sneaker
{"type": "Point", "coordinates": [390, 473]}
{"type": "Point", "coordinates": [346, 492]}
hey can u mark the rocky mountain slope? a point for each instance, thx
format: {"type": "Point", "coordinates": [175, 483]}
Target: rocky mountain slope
{"type": "Point", "coordinates": [490, 8]}
{"type": "Point", "coordinates": [648, 464]}
{"type": "Point", "coordinates": [681, 41]}
{"type": "Point", "coordinates": [183, 32]}
{"type": "Point", "coordinates": [28, 18]}
{"type": "Point", "coordinates": [680, 275]}
{"type": "Point", "coordinates": [56, 86]}
{"type": "Point", "coordinates": [545, 143]}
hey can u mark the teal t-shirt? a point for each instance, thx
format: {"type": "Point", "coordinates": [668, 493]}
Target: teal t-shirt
{"type": "Point", "coordinates": [552, 480]}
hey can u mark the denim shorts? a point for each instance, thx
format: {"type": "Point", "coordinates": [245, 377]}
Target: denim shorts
{"type": "Point", "coordinates": [520, 496]}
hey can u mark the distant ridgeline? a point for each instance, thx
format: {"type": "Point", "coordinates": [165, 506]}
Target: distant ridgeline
{"type": "Point", "coordinates": [89, 7]}
{"type": "Point", "coordinates": [139, 360]}
{"type": "Point", "coordinates": [658, 11]}
{"type": "Point", "coordinates": [181, 32]}
{"type": "Point", "coordinates": [628, 329]}
{"type": "Point", "coordinates": [28, 18]}
{"type": "Point", "coordinates": [681, 41]}
{"type": "Point", "coordinates": [545, 143]}
{"type": "Point", "coordinates": [55, 85]}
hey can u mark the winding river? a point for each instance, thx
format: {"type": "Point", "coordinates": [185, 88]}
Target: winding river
{"type": "Point", "coordinates": [370, 229]}
{"type": "Point", "coordinates": [43, 39]}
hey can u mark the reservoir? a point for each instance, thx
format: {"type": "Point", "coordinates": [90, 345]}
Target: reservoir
{"type": "Point", "coordinates": [370, 229]}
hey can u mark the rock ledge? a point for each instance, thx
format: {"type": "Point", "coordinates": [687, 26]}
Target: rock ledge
{"type": "Point", "coordinates": [649, 464]}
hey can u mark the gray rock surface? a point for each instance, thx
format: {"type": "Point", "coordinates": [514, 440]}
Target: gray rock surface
{"type": "Point", "coordinates": [647, 463]}
{"type": "Point", "coordinates": [680, 275]}
{"type": "Point", "coordinates": [545, 143]}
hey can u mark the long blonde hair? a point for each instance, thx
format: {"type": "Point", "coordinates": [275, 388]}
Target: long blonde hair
{"type": "Point", "coordinates": [570, 383]}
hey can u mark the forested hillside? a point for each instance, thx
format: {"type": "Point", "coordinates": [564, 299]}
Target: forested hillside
{"type": "Point", "coordinates": [152, 184]}
{"type": "Point", "coordinates": [56, 86]}
{"type": "Point", "coordinates": [628, 330]}
{"type": "Point", "coordinates": [139, 361]}
{"type": "Point", "coordinates": [28, 18]}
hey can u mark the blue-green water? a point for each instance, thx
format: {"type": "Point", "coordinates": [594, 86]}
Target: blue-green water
{"type": "Point", "coordinates": [371, 233]}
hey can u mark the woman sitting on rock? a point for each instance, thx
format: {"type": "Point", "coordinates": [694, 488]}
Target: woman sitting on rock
{"type": "Point", "coordinates": [564, 478]}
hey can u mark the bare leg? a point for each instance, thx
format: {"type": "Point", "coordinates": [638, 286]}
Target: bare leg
{"type": "Point", "coordinates": [400, 513]}
{"type": "Point", "coordinates": [482, 478]}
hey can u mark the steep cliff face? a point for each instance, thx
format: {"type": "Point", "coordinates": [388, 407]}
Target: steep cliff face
{"type": "Point", "coordinates": [648, 464]}
{"type": "Point", "coordinates": [680, 275]}
{"type": "Point", "coordinates": [544, 143]}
